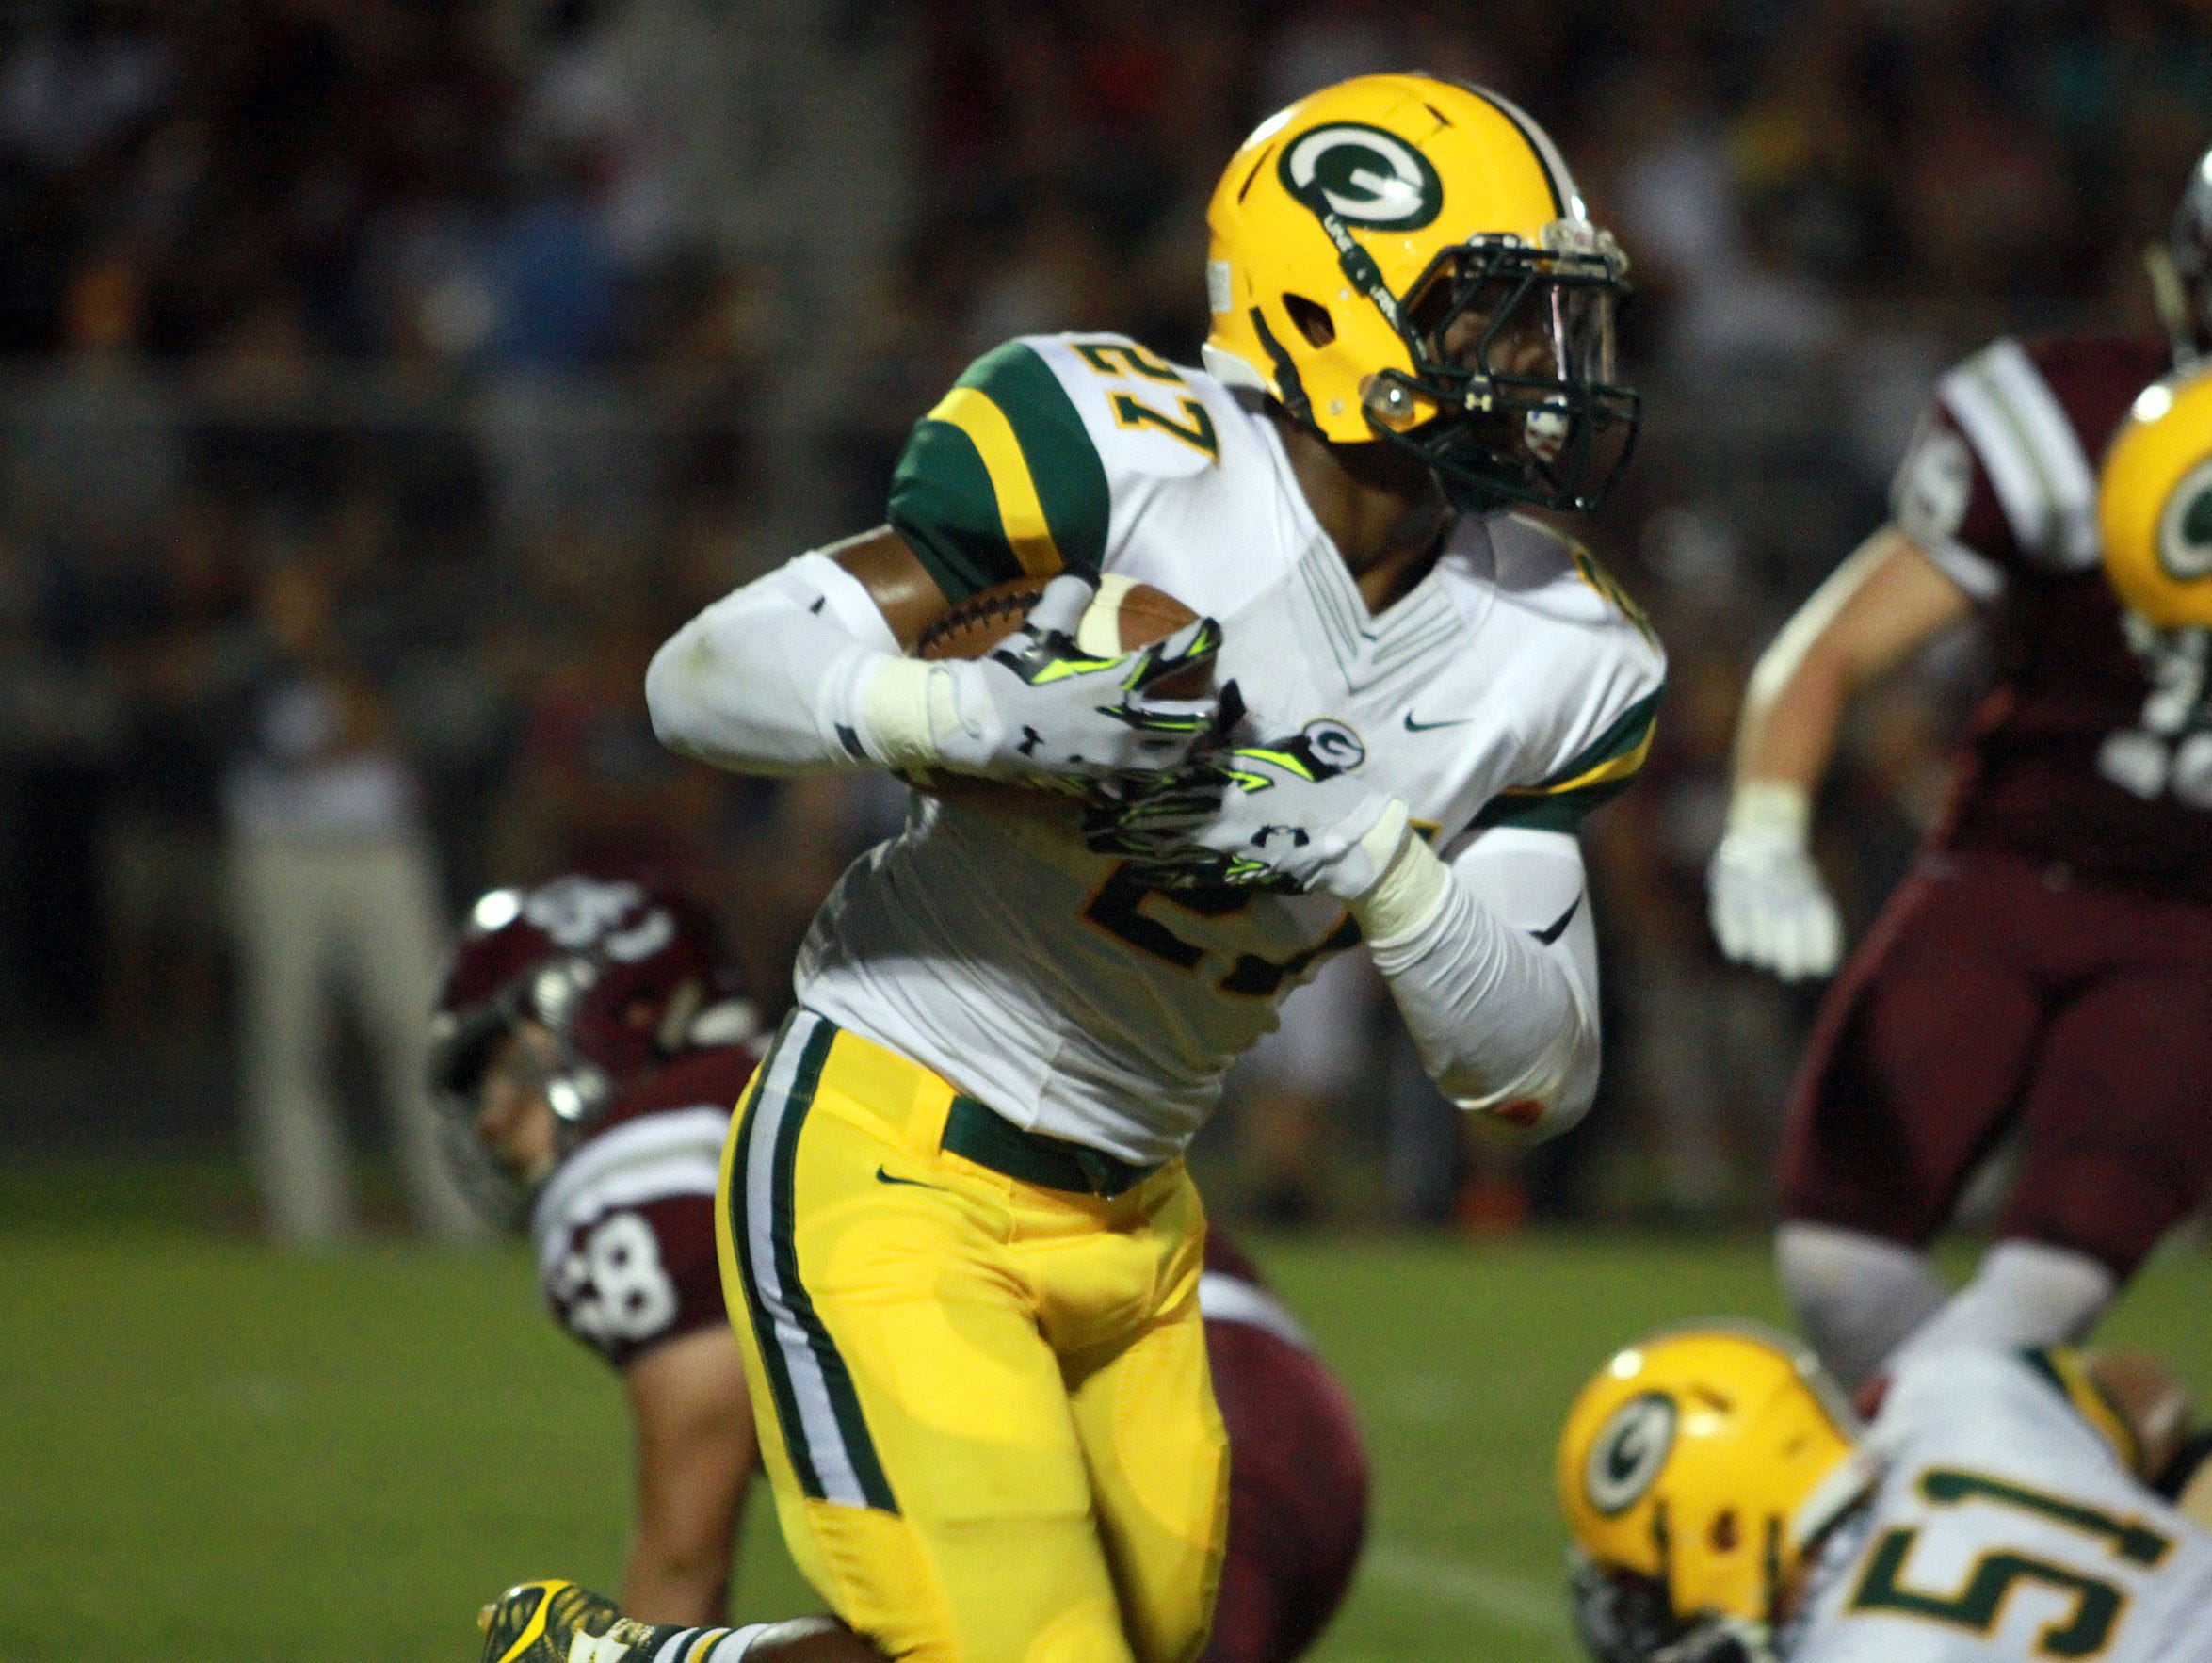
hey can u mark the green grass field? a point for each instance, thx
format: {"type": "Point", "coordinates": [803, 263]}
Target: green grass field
{"type": "Point", "coordinates": [215, 1453]}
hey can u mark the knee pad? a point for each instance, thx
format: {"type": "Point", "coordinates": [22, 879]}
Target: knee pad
{"type": "Point", "coordinates": [1856, 1296]}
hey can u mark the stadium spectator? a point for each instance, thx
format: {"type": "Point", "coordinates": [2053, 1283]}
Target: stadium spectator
{"type": "Point", "coordinates": [331, 880]}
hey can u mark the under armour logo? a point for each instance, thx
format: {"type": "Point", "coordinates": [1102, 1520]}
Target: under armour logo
{"type": "Point", "coordinates": [1031, 739]}
{"type": "Point", "coordinates": [1297, 836]}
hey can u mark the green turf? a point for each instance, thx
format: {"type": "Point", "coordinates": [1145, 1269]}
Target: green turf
{"type": "Point", "coordinates": [215, 1453]}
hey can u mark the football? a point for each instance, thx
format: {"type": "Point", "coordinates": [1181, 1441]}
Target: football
{"type": "Point", "coordinates": [1123, 615]}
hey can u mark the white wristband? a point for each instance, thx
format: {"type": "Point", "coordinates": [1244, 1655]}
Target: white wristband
{"type": "Point", "coordinates": [1412, 887]}
{"type": "Point", "coordinates": [1773, 810]}
{"type": "Point", "coordinates": [904, 707]}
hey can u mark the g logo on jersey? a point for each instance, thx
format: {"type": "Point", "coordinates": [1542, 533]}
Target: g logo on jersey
{"type": "Point", "coordinates": [1333, 747]}
{"type": "Point", "coordinates": [1364, 175]}
{"type": "Point", "coordinates": [2185, 528]}
{"type": "Point", "coordinates": [1629, 1450]}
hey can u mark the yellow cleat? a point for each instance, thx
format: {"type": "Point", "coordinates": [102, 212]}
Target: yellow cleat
{"type": "Point", "coordinates": [542, 1622]}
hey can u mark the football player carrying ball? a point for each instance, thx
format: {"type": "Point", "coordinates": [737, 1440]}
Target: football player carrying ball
{"type": "Point", "coordinates": [1728, 1507]}
{"type": "Point", "coordinates": [962, 1248]}
{"type": "Point", "coordinates": [586, 1051]}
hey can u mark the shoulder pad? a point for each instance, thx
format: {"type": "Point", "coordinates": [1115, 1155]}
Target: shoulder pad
{"type": "Point", "coordinates": [650, 1156]}
{"type": "Point", "coordinates": [1001, 479]}
{"type": "Point", "coordinates": [2066, 1371]}
{"type": "Point", "coordinates": [1585, 691]}
{"type": "Point", "coordinates": [2027, 441]}
{"type": "Point", "coordinates": [714, 1075]}
{"type": "Point", "coordinates": [1046, 449]}
{"type": "Point", "coordinates": [1146, 417]}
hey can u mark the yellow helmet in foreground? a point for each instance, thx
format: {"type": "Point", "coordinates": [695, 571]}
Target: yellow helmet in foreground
{"type": "Point", "coordinates": [2155, 502]}
{"type": "Point", "coordinates": [1404, 259]}
{"type": "Point", "coordinates": [1694, 1471]}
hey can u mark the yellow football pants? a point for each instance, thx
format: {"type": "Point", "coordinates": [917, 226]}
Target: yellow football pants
{"type": "Point", "coordinates": [983, 1404]}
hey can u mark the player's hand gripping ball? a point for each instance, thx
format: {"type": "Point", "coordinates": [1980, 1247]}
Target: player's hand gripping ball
{"type": "Point", "coordinates": [1076, 686]}
{"type": "Point", "coordinates": [1289, 815]}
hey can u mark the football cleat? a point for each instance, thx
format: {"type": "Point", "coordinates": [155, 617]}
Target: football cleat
{"type": "Point", "coordinates": [554, 1621]}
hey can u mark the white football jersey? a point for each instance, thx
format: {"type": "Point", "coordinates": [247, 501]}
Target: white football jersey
{"type": "Point", "coordinates": [2006, 1528]}
{"type": "Point", "coordinates": [1514, 686]}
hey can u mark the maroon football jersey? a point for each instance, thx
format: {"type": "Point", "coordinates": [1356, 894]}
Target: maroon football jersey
{"type": "Point", "coordinates": [2000, 488]}
{"type": "Point", "coordinates": [1297, 1473]}
{"type": "Point", "coordinates": [625, 1226]}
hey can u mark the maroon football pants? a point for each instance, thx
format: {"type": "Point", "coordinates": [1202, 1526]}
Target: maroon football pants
{"type": "Point", "coordinates": [1987, 995]}
{"type": "Point", "coordinates": [1297, 1496]}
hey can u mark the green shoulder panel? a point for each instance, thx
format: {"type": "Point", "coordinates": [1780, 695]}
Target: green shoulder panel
{"type": "Point", "coordinates": [1604, 768]}
{"type": "Point", "coordinates": [1001, 480]}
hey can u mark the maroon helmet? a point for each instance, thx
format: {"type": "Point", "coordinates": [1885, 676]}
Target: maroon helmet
{"type": "Point", "coordinates": [622, 975]}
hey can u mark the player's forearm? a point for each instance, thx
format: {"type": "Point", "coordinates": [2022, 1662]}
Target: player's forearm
{"type": "Point", "coordinates": [1505, 1022]}
{"type": "Point", "coordinates": [769, 679]}
{"type": "Point", "coordinates": [1793, 708]}
{"type": "Point", "coordinates": [1875, 610]}
{"type": "Point", "coordinates": [1788, 731]}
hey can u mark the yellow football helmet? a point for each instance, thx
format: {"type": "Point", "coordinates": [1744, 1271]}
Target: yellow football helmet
{"type": "Point", "coordinates": [2155, 502]}
{"type": "Point", "coordinates": [1404, 259]}
{"type": "Point", "coordinates": [1694, 1471]}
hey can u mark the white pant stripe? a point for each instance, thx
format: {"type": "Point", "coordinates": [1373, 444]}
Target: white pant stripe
{"type": "Point", "coordinates": [825, 1443]}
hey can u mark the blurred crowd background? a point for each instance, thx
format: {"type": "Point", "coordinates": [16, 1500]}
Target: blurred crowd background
{"type": "Point", "coordinates": [381, 380]}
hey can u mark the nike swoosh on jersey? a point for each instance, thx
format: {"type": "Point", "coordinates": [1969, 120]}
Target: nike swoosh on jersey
{"type": "Point", "coordinates": [1425, 727]}
{"type": "Point", "coordinates": [883, 1177]}
{"type": "Point", "coordinates": [1558, 926]}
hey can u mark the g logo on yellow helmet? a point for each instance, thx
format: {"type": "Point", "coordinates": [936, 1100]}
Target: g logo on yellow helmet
{"type": "Point", "coordinates": [2154, 504]}
{"type": "Point", "coordinates": [1364, 175]}
{"type": "Point", "coordinates": [1629, 1450]}
{"type": "Point", "coordinates": [2185, 528]}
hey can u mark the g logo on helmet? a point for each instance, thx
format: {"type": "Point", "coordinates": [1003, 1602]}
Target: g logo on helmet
{"type": "Point", "coordinates": [2185, 526]}
{"type": "Point", "coordinates": [1364, 175]}
{"type": "Point", "coordinates": [1628, 1452]}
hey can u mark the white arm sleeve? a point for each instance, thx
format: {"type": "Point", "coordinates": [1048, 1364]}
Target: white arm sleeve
{"type": "Point", "coordinates": [768, 679]}
{"type": "Point", "coordinates": [1498, 983]}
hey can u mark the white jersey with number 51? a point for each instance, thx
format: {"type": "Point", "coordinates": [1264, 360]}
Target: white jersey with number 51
{"type": "Point", "coordinates": [2007, 1527]}
{"type": "Point", "coordinates": [1513, 687]}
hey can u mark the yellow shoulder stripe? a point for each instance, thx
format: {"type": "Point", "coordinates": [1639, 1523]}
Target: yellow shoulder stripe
{"type": "Point", "coordinates": [1621, 766]}
{"type": "Point", "coordinates": [1020, 512]}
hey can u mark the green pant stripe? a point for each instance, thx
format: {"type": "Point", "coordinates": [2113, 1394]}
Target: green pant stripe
{"type": "Point", "coordinates": [741, 1234]}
